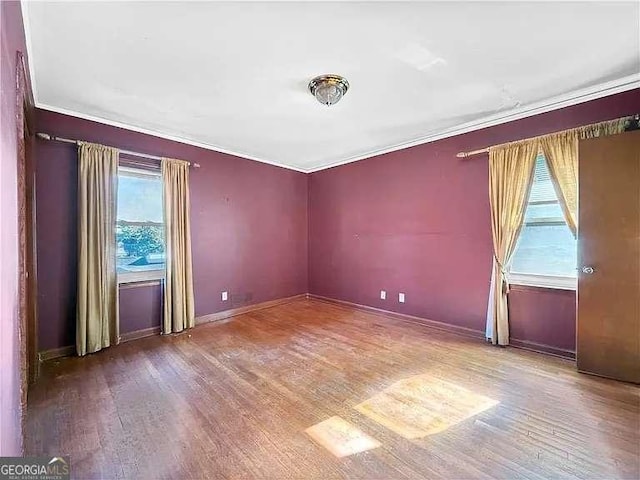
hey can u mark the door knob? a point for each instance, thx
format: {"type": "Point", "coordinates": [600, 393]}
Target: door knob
{"type": "Point", "coordinates": [588, 270]}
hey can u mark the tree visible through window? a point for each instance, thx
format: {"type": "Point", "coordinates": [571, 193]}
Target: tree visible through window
{"type": "Point", "coordinates": [140, 228]}
{"type": "Point", "coordinates": [546, 245]}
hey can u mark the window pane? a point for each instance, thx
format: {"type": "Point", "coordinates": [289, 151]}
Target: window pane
{"type": "Point", "coordinates": [140, 232]}
{"type": "Point", "coordinates": [546, 250]}
{"type": "Point", "coordinates": [139, 198]}
{"type": "Point", "coordinates": [547, 211]}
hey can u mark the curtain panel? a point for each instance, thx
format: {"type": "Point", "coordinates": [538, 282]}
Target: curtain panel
{"type": "Point", "coordinates": [510, 178]}
{"type": "Point", "coordinates": [97, 323]}
{"type": "Point", "coordinates": [179, 312]}
{"type": "Point", "coordinates": [561, 153]}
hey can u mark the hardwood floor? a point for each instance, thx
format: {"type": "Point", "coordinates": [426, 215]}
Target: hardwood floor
{"type": "Point", "coordinates": [234, 400]}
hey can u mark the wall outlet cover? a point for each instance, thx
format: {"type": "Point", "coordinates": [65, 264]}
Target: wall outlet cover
{"type": "Point", "coordinates": [401, 297]}
{"type": "Point", "coordinates": [225, 296]}
{"type": "Point", "coordinates": [383, 295]}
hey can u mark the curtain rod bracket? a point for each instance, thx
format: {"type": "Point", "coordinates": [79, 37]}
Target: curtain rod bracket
{"type": "Point", "coordinates": [634, 124]}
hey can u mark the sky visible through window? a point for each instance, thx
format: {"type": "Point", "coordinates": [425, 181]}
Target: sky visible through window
{"type": "Point", "coordinates": [139, 199]}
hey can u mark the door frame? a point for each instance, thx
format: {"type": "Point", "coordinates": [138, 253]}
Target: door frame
{"type": "Point", "coordinates": [27, 282]}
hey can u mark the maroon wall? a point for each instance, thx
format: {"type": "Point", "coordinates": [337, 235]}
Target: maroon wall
{"type": "Point", "coordinates": [417, 221]}
{"type": "Point", "coordinates": [413, 221]}
{"type": "Point", "coordinates": [248, 220]}
{"type": "Point", "coordinates": [544, 316]}
{"type": "Point", "coordinates": [140, 308]}
{"type": "Point", "coordinates": [10, 361]}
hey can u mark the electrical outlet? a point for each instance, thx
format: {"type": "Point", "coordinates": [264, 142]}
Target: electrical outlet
{"type": "Point", "coordinates": [383, 295]}
{"type": "Point", "coordinates": [401, 297]}
{"type": "Point", "coordinates": [225, 296]}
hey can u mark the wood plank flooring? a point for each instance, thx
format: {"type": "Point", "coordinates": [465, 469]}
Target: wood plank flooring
{"type": "Point", "coordinates": [233, 400]}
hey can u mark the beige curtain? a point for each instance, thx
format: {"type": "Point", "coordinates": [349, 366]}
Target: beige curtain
{"type": "Point", "coordinates": [561, 152]}
{"type": "Point", "coordinates": [510, 178]}
{"type": "Point", "coordinates": [97, 308]}
{"type": "Point", "coordinates": [610, 127]}
{"type": "Point", "coordinates": [178, 289]}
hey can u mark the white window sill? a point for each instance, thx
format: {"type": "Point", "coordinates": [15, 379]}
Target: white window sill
{"type": "Point", "coordinates": [135, 277]}
{"type": "Point", "coordinates": [543, 281]}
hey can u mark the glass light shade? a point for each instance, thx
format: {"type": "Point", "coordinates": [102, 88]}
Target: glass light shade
{"type": "Point", "coordinates": [328, 89]}
{"type": "Point", "coordinates": [328, 94]}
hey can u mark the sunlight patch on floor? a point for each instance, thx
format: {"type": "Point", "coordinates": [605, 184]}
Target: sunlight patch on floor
{"type": "Point", "coordinates": [340, 437]}
{"type": "Point", "coordinates": [423, 405]}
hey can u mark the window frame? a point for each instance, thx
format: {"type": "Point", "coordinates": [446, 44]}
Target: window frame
{"type": "Point", "coordinates": [543, 281]}
{"type": "Point", "coordinates": [560, 282]}
{"type": "Point", "coordinates": [157, 274]}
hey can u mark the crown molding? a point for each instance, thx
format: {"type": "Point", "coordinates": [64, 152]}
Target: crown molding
{"type": "Point", "coordinates": [174, 138]}
{"type": "Point", "coordinates": [555, 103]}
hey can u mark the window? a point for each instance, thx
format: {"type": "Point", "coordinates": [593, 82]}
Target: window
{"type": "Point", "coordinates": [140, 227]}
{"type": "Point", "coordinates": [546, 254]}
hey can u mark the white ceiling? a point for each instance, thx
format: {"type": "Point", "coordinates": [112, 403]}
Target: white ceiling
{"type": "Point", "coordinates": [233, 76]}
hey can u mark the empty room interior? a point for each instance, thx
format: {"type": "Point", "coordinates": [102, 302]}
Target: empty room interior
{"type": "Point", "coordinates": [312, 240]}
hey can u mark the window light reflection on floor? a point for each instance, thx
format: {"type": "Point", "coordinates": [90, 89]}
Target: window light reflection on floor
{"type": "Point", "coordinates": [423, 405]}
{"type": "Point", "coordinates": [340, 437]}
{"type": "Point", "coordinates": [413, 408]}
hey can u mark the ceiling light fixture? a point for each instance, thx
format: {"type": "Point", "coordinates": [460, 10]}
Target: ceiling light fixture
{"type": "Point", "coordinates": [328, 89]}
